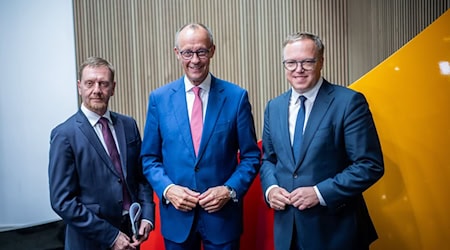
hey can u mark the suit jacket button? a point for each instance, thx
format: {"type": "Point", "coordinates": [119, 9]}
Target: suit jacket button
{"type": "Point", "coordinates": [119, 180]}
{"type": "Point", "coordinates": [196, 169]}
{"type": "Point", "coordinates": [295, 176]}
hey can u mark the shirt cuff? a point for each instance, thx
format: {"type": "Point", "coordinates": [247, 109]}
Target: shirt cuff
{"type": "Point", "coordinates": [151, 224]}
{"type": "Point", "coordinates": [114, 242]}
{"type": "Point", "coordinates": [268, 190]}
{"type": "Point", "coordinates": [319, 195]}
{"type": "Point", "coordinates": [165, 192]}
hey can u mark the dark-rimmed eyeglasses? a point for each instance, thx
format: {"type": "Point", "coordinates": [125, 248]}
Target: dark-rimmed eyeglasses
{"type": "Point", "coordinates": [307, 64]}
{"type": "Point", "coordinates": [188, 54]}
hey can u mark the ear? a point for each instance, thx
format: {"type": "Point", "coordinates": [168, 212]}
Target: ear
{"type": "Point", "coordinates": [113, 88]}
{"type": "Point", "coordinates": [321, 62]}
{"type": "Point", "coordinates": [78, 87]}
{"type": "Point", "coordinates": [212, 50]}
{"type": "Point", "coordinates": [177, 52]}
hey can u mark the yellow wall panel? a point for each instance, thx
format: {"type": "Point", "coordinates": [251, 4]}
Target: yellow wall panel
{"type": "Point", "coordinates": [409, 95]}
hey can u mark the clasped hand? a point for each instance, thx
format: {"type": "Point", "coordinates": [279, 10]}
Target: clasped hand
{"type": "Point", "coordinates": [301, 198]}
{"type": "Point", "coordinates": [184, 199]}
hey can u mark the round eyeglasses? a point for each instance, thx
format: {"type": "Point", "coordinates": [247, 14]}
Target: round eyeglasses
{"type": "Point", "coordinates": [306, 65]}
{"type": "Point", "coordinates": [188, 54]}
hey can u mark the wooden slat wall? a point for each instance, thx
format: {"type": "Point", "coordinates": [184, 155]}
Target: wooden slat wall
{"type": "Point", "coordinates": [376, 29]}
{"type": "Point", "coordinates": [137, 36]}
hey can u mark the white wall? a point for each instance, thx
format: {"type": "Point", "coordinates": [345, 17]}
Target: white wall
{"type": "Point", "coordinates": [37, 91]}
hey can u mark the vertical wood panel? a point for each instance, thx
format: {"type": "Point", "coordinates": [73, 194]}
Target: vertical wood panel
{"type": "Point", "coordinates": [379, 28]}
{"type": "Point", "coordinates": [137, 36]}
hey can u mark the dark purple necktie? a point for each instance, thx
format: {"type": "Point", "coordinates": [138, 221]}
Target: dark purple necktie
{"type": "Point", "coordinates": [115, 157]}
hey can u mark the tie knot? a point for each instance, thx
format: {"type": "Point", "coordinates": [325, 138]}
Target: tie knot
{"type": "Point", "coordinates": [103, 121]}
{"type": "Point", "coordinates": [196, 90]}
{"type": "Point", "coordinates": [302, 99]}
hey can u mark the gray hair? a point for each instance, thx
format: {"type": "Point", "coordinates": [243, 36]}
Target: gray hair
{"type": "Point", "coordinates": [96, 62]}
{"type": "Point", "coordinates": [194, 26]}
{"type": "Point", "coordinates": [305, 35]}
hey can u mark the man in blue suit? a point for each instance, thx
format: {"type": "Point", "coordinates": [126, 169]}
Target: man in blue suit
{"type": "Point", "coordinates": [321, 152]}
{"type": "Point", "coordinates": [90, 190]}
{"type": "Point", "coordinates": [197, 176]}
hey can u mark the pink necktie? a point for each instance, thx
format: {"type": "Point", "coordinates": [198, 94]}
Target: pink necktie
{"type": "Point", "coordinates": [197, 119]}
{"type": "Point", "coordinates": [115, 157]}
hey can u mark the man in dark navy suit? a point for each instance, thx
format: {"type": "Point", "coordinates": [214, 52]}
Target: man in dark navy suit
{"type": "Point", "coordinates": [321, 152]}
{"type": "Point", "coordinates": [95, 176]}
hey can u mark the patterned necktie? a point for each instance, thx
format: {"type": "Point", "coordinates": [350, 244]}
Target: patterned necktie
{"type": "Point", "coordinates": [197, 119]}
{"type": "Point", "coordinates": [298, 134]}
{"type": "Point", "coordinates": [115, 157]}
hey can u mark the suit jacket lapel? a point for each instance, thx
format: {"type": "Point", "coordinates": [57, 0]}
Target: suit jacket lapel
{"type": "Point", "coordinates": [283, 117]}
{"type": "Point", "coordinates": [320, 107]}
{"type": "Point", "coordinates": [178, 99]}
{"type": "Point", "coordinates": [88, 131]}
{"type": "Point", "coordinates": [216, 101]}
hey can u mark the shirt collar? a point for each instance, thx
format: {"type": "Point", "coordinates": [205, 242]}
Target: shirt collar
{"type": "Point", "coordinates": [205, 85]}
{"type": "Point", "coordinates": [94, 117]}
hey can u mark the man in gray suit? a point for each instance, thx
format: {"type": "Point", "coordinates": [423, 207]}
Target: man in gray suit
{"type": "Point", "coordinates": [95, 170]}
{"type": "Point", "coordinates": [321, 152]}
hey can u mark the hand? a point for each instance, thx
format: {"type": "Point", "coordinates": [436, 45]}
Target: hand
{"type": "Point", "coordinates": [304, 197]}
{"type": "Point", "coordinates": [182, 198]}
{"type": "Point", "coordinates": [143, 233]}
{"type": "Point", "coordinates": [213, 199]}
{"type": "Point", "coordinates": [123, 243]}
{"type": "Point", "coordinates": [278, 198]}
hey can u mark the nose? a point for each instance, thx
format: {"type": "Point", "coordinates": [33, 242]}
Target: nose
{"type": "Point", "coordinates": [97, 87]}
{"type": "Point", "coordinates": [195, 58]}
{"type": "Point", "coordinates": [300, 67]}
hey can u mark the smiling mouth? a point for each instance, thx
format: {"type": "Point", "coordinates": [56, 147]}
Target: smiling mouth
{"type": "Point", "coordinates": [196, 69]}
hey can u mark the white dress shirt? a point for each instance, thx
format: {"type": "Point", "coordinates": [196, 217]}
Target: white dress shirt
{"type": "Point", "coordinates": [93, 120]}
{"type": "Point", "coordinates": [294, 106]}
{"type": "Point", "coordinates": [190, 96]}
{"type": "Point", "coordinates": [204, 94]}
